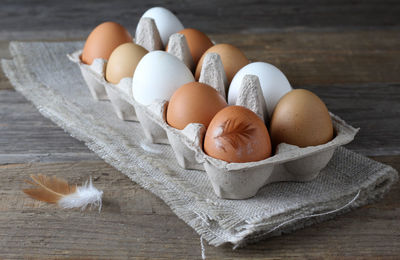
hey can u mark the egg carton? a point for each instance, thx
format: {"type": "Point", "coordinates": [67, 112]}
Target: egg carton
{"type": "Point", "coordinates": [243, 180]}
{"type": "Point", "coordinates": [229, 180]}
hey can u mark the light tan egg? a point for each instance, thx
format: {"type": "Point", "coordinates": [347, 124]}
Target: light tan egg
{"type": "Point", "coordinates": [123, 61]}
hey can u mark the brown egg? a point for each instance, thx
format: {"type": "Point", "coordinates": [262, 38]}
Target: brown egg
{"type": "Point", "coordinates": [232, 59]}
{"type": "Point", "coordinates": [103, 40]}
{"type": "Point", "coordinates": [123, 61]}
{"type": "Point", "coordinates": [237, 134]}
{"type": "Point", "coordinates": [301, 118]}
{"type": "Point", "coordinates": [194, 102]}
{"type": "Point", "coordinates": [198, 42]}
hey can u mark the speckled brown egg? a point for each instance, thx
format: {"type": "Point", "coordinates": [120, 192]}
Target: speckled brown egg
{"type": "Point", "coordinates": [103, 40]}
{"type": "Point", "coordinates": [232, 59]}
{"type": "Point", "coordinates": [301, 118]}
{"type": "Point", "coordinates": [194, 102]}
{"type": "Point", "coordinates": [237, 134]}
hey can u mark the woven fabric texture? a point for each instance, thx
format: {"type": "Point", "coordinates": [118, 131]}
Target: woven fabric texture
{"type": "Point", "coordinates": [44, 75]}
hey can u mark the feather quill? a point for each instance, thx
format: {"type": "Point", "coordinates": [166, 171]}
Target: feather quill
{"type": "Point", "coordinates": [57, 190]}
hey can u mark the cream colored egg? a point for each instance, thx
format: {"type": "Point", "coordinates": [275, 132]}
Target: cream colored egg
{"type": "Point", "coordinates": [123, 61]}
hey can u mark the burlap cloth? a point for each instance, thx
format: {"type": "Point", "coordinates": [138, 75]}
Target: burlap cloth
{"type": "Point", "coordinates": [44, 75]}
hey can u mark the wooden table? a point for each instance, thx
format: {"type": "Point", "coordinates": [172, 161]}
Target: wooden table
{"type": "Point", "coordinates": [346, 52]}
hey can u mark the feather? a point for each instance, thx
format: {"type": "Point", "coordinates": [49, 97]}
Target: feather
{"type": "Point", "coordinates": [49, 189]}
{"type": "Point", "coordinates": [235, 134]}
{"type": "Point", "coordinates": [57, 190]}
{"type": "Point", "coordinates": [84, 196]}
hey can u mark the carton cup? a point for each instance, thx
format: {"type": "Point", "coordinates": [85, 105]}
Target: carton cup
{"type": "Point", "coordinates": [182, 141]}
{"type": "Point", "coordinates": [119, 96]}
{"type": "Point", "coordinates": [90, 73]}
{"type": "Point", "coordinates": [149, 116]}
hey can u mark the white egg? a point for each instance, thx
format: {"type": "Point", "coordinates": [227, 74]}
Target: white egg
{"type": "Point", "coordinates": [157, 76]}
{"type": "Point", "coordinates": [274, 84]}
{"type": "Point", "coordinates": [167, 23]}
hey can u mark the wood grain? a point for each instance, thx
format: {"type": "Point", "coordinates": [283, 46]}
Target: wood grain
{"type": "Point", "coordinates": [316, 58]}
{"type": "Point", "coordinates": [209, 16]}
{"type": "Point", "coordinates": [26, 136]}
{"type": "Point", "coordinates": [136, 224]}
{"type": "Point", "coordinates": [325, 58]}
{"type": "Point", "coordinates": [4, 83]}
{"type": "Point", "coordinates": [4, 54]}
{"type": "Point", "coordinates": [375, 108]}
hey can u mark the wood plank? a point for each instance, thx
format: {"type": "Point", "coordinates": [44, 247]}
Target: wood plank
{"type": "Point", "coordinates": [325, 58]}
{"type": "Point", "coordinates": [135, 224]}
{"type": "Point", "coordinates": [4, 54]}
{"type": "Point", "coordinates": [209, 16]}
{"type": "Point", "coordinates": [315, 58]}
{"type": "Point", "coordinates": [375, 108]}
{"type": "Point", "coordinates": [4, 83]}
{"type": "Point", "coordinates": [26, 136]}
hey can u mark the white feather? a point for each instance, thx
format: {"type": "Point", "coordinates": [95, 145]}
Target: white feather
{"type": "Point", "coordinates": [84, 196]}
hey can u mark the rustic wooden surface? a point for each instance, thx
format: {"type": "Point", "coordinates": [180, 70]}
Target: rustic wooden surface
{"type": "Point", "coordinates": [211, 16]}
{"type": "Point", "coordinates": [347, 52]}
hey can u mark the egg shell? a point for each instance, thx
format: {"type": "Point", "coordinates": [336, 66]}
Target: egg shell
{"type": "Point", "coordinates": [274, 84]}
{"type": "Point", "coordinates": [157, 76]}
{"type": "Point", "coordinates": [103, 40]}
{"type": "Point", "coordinates": [194, 102]}
{"type": "Point", "coordinates": [167, 23]}
{"type": "Point", "coordinates": [232, 58]}
{"type": "Point", "coordinates": [236, 134]}
{"type": "Point", "coordinates": [198, 42]}
{"type": "Point", "coordinates": [302, 119]}
{"type": "Point", "coordinates": [123, 61]}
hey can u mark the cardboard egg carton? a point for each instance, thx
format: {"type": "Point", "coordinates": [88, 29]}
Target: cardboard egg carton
{"type": "Point", "coordinates": [243, 180]}
{"type": "Point", "coordinates": [229, 180]}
